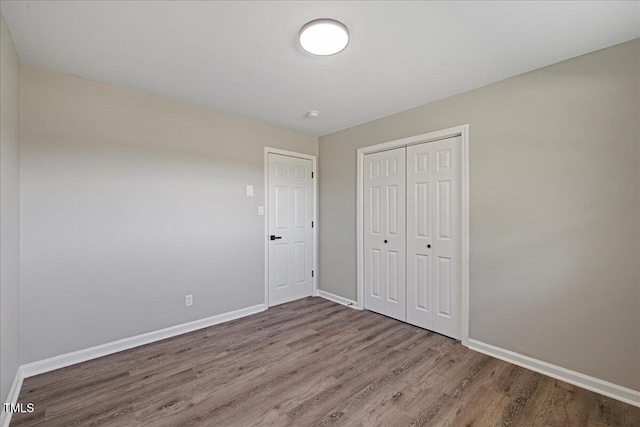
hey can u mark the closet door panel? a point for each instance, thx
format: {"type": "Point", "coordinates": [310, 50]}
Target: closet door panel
{"type": "Point", "coordinates": [433, 236]}
{"type": "Point", "coordinates": [420, 194]}
{"type": "Point", "coordinates": [374, 220]}
{"type": "Point", "coordinates": [394, 239]}
{"type": "Point", "coordinates": [446, 246]}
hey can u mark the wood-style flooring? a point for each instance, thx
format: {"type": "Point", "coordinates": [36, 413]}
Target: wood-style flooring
{"type": "Point", "coordinates": [310, 363]}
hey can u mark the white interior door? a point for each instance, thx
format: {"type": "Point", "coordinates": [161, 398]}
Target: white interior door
{"type": "Point", "coordinates": [433, 236]}
{"type": "Point", "coordinates": [290, 228]}
{"type": "Point", "coordinates": [385, 233]}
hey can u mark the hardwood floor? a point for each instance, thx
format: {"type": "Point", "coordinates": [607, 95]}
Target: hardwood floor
{"type": "Point", "coordinates": [310, 363]}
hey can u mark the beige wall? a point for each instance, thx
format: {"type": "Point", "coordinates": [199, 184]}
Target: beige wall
{"type": "Point", "coordinates": [9, 211]}
{"type": "Point", "coordinates": [554, 205]}
{"type": "Point", "coordinates": [130, 202]}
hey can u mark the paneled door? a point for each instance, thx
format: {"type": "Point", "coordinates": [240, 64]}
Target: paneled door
{"type": "Point", "coordinates": [290, 229]}
{"type": "Point", "coordinates": [385, 233]}
{"type": "Point", "coordinates": [433, 236]}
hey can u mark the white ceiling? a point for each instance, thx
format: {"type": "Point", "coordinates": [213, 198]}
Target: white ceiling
{"type": "Point", "coordinates": [242, 57]}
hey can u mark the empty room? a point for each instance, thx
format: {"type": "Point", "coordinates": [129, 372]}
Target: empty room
{"type": "Point", "coordinates": [315, 213]}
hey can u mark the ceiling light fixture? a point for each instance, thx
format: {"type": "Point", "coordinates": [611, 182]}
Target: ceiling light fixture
{"type": "Point", "coordinates": [324, 37]}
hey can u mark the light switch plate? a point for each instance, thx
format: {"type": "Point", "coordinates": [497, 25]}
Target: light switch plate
{"type": "Point", "coordinates": [261, 210]}
{"type": "Point", "coordinates": [250, 190]}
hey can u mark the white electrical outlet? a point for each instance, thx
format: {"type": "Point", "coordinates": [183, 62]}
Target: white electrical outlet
{"type": "Point", "coordinates": [188, 300]}
{"type": "Point", "coordinates": [260, 210]}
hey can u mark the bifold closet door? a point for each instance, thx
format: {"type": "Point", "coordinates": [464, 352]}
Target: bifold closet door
{"type": "Point", "coordinates": [433, 236]}
{"type": "Point", "coordinates": [385, 233]}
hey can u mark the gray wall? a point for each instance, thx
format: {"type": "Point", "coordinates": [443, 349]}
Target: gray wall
{"type": "Point", "coordinates": [130, 202]}
{"type": "Point", "coordinates": [554, 205]}
{"type": "Point", "coordinates": [9, 211]}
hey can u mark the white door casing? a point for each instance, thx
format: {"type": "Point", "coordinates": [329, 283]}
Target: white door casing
{"type": "Point", "coordinates": [290, 215]}
{"type": "Point", "coordinates": [385, 233]}
{"type": "Point", "coordinates": [434, 235]}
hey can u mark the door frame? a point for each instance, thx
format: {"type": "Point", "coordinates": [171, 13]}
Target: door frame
{"type": "Point", "coordinates": [314, 245]}
{"type": "Point", "coordinates": [461, 131]}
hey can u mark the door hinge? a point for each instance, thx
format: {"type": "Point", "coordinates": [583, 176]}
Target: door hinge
{"type": "Point", "coordinates": [311, 175]}
{"type": "Point", "coordinates": [311, 224]}
{"type": "Point", "coordinates": [312, 273]}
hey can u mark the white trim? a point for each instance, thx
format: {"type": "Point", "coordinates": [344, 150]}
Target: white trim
{"type": "Point", "coordinates": [337, 298]}
{"type": "Point", "coordinates": [614, 391]}
{"type": "Point", "coordinates": [63, 360]}
{"type": "Point", "coordinates": [14, 392]}
{"type": "Point", "coordinates": [463, 132]}
{"type": "Point", "coordinates": [267, 151]}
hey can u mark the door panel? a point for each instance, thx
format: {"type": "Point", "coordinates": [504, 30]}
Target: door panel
{"type": "Point", "coordinates": [373, 245]}
{"type": "Point", "coordinates": [290, 256]}
{"type": "Point", "coordinates": [443, 284]}
{"type": "Point", "coordinates": [433, 230]}
{"type": "Point", "coordinates": [420, 163]}
{"type": "Point", "coordinates": [385, 233]}
{"type": "Point", "coordinates": [444, 210]}
{"type": "Point", "coordinates": [281, 265]}
{"type": "Point", "coordinates": [446, 246]}
{"type": "Point", "coordinates": [421, 276]}
{"type": "Point", "coordinates": [375, 272]}
{"type": "Point", "coordinates": [374, 206]}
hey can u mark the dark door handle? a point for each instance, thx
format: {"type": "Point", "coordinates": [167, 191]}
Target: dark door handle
{"type": "Point", "coordinates": [429, 246]}
{"type": "Point", "coordinates": [272, 237]}
{"type": "Point", "coordinates": [385, 241]}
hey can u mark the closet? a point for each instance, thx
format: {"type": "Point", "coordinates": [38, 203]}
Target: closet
{"type": "Point", "coordinates": [412, 240]}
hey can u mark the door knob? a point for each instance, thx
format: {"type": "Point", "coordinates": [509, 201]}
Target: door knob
{"type": "Point", "coordinates": [385, 241]}
{"type": "Point", "coordinates": [428, 246]}
{"type": "Point", "coordinates": [272, 237]}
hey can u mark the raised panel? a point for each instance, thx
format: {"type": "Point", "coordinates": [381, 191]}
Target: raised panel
{"type": "Point", "coordinates": [392, 210]}
{"type": "Point", "coordinates": [392, 276]}
{"type": "Point", "coordinates": [421, 162]}
{"type": "Point", "coordinates": [444, 210]}
{"type": "Point", "coordinates": [444, 160]}
{"type": "Point", "coordinates": [422, 281]}
{"type": "Point", "coordinates": [375, 272]}
{"type": "Point", "coordinates": [300, 251]}
{"type": "Point", "coordinates": [300, 206]}
{"type": "Point", "coordinates": [282, 202]}
{"type": "Point", "coordinates": [374, 210]}
{"type": "Point", "coordinates": [392, 167]}
{"type": "Point", "coordinates": [422, 210]}
{"type": "Point", "coordinates": [374, 169]}
{"type": "Point", "coordinates": [282, 270]}
{"type": "Point", "coordinates": [443, 278]}
{"type": "Point", "coordinates": [301, 173]}
{"type": "Point", "coordinates": [281, 170]}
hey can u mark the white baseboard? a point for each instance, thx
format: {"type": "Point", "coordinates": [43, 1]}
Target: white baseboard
{"type": "Point", "coordinates": [337, 298]}
{"type": "Point", "coordinates": [63, 360]}
{"type": "Point", "coordinates": [14, 392]}
{"type": "Point", "coordinates": [614, 391]}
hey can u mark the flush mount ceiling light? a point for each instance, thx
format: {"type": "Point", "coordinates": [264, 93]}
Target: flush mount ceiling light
{"type": "Point", "coordinates": [324, 37]}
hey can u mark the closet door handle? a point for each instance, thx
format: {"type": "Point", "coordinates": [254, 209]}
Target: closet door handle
{"type": "Point", "coordinates": [428, 246]}
{"type": "Point", "coordinates": [272, 237]}
{"type": "Point", "coordinates": [385, 241]}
